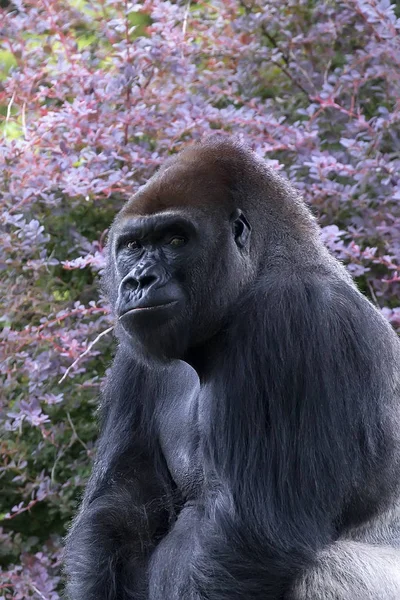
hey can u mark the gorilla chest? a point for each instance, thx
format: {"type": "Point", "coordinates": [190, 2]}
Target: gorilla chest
{"type": "Point", "coordinates": [182, 444]}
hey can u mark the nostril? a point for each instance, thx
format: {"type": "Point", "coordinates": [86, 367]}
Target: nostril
{"type": "Point", "coordinates": [140, 282]}
{"type": "Point", "coordinates": [131, 284]}
{"type": "Point", "coordinates": [147, 280]}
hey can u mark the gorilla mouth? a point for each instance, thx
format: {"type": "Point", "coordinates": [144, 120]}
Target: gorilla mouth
{"type": "Point", "coordinates": [153, 307]}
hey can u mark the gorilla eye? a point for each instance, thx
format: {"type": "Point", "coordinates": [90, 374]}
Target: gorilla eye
{"type": "Point", "coordinates": [177, 241]}
{"type": "Point", "coordinates": [133, 245]}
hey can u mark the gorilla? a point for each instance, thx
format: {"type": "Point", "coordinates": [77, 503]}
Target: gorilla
{"type": "Point", "coordinates": [250, 423]}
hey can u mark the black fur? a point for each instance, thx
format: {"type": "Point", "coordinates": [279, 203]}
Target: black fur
{"type": "Point", "coordinates": [256, 455]}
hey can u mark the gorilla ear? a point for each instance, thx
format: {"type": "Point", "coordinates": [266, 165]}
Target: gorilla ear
{"type": "Point", "coordinates": [241, 228]}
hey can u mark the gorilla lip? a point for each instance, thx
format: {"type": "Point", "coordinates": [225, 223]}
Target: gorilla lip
{"type": "Point", "coordinates": [147, 308]}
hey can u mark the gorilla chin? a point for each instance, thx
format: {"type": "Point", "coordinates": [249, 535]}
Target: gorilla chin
{"type": "Point", "coordinates": [156, 331]}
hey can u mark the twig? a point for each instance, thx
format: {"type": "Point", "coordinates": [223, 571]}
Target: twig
{"type": "Point", "coordinates": [290, 76]}
{"type": "Point", "coordinates": [21, 510]}
{"type": "Point", "coordinates": [286, 60]}
{"type": "Point", "coordinates": [9, 107]}
{"type": "Point", "coordinates": [275, 44]}
{"type": "Point", "coordinates": [53, 469]}
{"type": "Point", "coordinates": [88, 349]}
{"type": "Point", "coordinates": [75, 433]}
{"type": "Point", "coordinates": [185, 18]}
{"type": "Point", "coordinates": [373, 295]}
{"type": "Point", "coordinates": [38, 592]}
{"type": "Point", "coordinates": [285, 57]}
{"type": "Point", "coordinates": [23, 118]}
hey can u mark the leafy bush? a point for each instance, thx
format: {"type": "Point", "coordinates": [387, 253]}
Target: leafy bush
{"type": "Point", "coordinates": [93, 96]}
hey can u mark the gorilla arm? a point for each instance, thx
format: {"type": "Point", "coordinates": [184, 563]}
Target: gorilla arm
{"type": "Point", "coordinates": [170, 572]}
{"type": "Point", "coordinates": [312, 398]}
{"type": "Point", "coordinates": [349, 570]}
{"type": "Point", "coordinates": [129, 502]}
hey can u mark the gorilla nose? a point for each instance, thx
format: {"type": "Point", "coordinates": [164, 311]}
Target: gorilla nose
{"type": "Point", "coordinates": [140, 282]}
{"type": "Point", "coordinates": [144, 278]}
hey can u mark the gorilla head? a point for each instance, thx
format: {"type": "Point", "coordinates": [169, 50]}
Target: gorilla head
{"type": "Point", "coordinates": [187, 246]}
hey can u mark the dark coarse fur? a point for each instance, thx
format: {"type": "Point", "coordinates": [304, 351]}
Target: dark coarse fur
{"type": "Point", "coordinates": [257, 456]}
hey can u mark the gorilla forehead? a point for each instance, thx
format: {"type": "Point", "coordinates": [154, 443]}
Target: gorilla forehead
{"type": "Point", "coordinates": [210, 181]}
{"type": "Point", "coordinates": [182, 185]}
{"type": "Point", "coordinates": [216, 177]}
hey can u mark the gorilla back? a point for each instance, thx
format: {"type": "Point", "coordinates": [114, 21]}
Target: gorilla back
{"type": "Point", "coordinates": [250, 428]}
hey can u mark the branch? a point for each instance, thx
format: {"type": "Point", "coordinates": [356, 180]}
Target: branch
{"type": "Point", "coordinates": [88, 349]}
{"type": "Point", "coordinates": [185, 18]}
{"type": "Point", "coordinates": [285, 58]}
{"type": "Point", "coordinates": [9, 107]}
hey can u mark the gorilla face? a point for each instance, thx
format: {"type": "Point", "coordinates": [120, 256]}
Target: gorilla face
{"type": "Point", "coordinates": [178, 273]}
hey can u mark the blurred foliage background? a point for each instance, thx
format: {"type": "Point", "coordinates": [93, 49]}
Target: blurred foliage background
{"type": "Point", "coordinates": [94, 94]}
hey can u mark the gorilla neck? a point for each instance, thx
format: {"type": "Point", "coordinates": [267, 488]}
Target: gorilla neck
{"type": "Point", "coordinates": [198, 358]}
{"type": "Point", "coordinates": [204, 356]}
